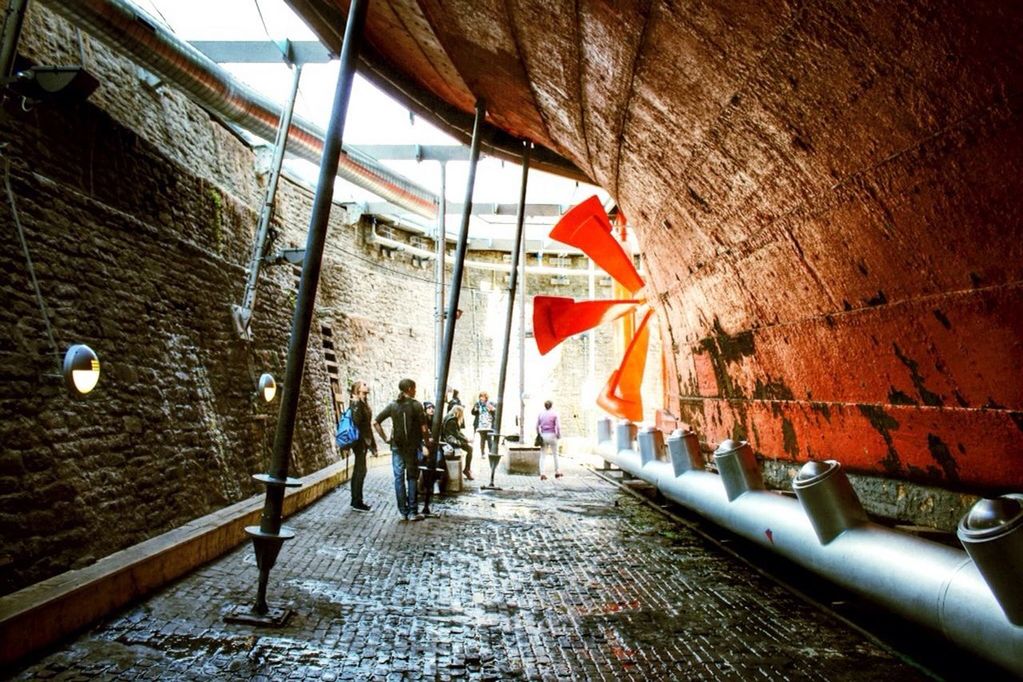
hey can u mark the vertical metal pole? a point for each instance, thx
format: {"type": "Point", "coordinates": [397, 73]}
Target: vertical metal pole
{"type": "Point", "coordinates": [441, 252]}
{"type": "Point", "coordinates": [243, 313]}
{"type": "Point", "coordinates": [512, 284]}
{"type": "Point", "coordinates": [591, 372]}
{"type": "Point", "coordinates": [268, 538]}
{"type": "Point", "coordinates": [14, 18]}
{"type": "Point", "coordinates": [522, 348]}
{"type": "Point", "coordinates": [457, 266]}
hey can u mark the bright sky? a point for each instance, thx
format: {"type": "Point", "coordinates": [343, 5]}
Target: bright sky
{"type": "Point", "coordinates": [373, 118]}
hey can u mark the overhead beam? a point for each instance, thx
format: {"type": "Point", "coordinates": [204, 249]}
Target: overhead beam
{"type": "Point", "coordinates": [532, 210]}
{"type": "Point", "coordinates": [413, 152]}
{"type": "Point", "coordinates": [264, 51]}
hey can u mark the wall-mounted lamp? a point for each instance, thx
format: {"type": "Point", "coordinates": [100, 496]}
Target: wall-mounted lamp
{"type": "Point", "coordinates": [81, 369]}
{"type": "Point", "coordinates": [267, 387]}
{"type": "Point", "coordinates": [47, 83]}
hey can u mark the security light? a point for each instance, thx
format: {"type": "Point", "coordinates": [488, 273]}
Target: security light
{"type": "Point", "coordinates": [267, 387]}
{"type": "Point", "coordinates": [81, 369]}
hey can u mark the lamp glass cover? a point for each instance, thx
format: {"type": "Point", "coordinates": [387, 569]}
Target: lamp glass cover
{"type": "Point", "coordinates": [81, 368]}
{"type": "Point", "coordinates": [268, 387]}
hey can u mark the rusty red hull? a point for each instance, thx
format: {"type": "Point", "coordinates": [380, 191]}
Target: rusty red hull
{"type": "Point", "coordinates": [828, 198]}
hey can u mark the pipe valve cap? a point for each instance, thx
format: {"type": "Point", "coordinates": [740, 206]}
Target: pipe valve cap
{"type": "Point", "coordinates": [728, 445]}
{"type": "Point", "coordinates": [814, 471]}
{"type": "Point", "coordinates": [992, 516]}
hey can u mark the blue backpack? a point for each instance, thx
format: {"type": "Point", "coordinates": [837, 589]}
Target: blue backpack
{"type": "Point", "coordinates": [347, 431]}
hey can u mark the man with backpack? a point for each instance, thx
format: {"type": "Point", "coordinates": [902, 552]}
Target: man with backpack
{"type": "Point", "coordinates": [408, 431]}
{"type": "Point", "coordinates": [361, 441]}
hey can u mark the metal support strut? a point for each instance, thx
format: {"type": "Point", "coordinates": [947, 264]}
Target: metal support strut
{"type": "Point", "coordinates": [268, 537]}
{"type": "Point", "coordinates": [242, 314]}
{"type": "Point", "coordinates": [457, 267]}
{"type": "Point", "coordinates": [495, 453]}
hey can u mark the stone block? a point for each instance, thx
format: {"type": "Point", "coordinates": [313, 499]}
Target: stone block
{"type": "Point", "coordinates": [524, 459]}
{"type": "Point", "coordinates": [453, 463]}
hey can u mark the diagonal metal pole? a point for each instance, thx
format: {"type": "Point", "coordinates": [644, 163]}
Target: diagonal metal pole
{"type": "Point", "coordinates": [495, 456]}
{"type": "Point", "coordinates": [457, 267]}
{"type": "Point", "coordinates": [242, 314]}
{"type": "Point", "coordinates": [268, 537]}
{"type": "Point", "coordinates": [14, 18]}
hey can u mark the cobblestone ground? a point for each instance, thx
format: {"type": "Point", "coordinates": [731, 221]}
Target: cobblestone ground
{"type": "Point", "coordinates": [567, 579]}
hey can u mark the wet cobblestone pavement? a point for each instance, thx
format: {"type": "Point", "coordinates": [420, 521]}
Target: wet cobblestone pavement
{"type": "Point", "coordinates": [567, 579]}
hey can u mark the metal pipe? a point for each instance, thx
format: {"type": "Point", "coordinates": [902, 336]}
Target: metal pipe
{"type": "Point", "coordinates": [992, 534]}
{"type": "Point", "coordinates": [270, 522]}
{"type": "Point", "coordinates": [14, 19]}
{"type": "Point", "coordinates": [651, 442]}
{"type": "Point", "coordinates": [513, 281]}
{"type": "Point", "coordinates": [375, 238]}
{"type": "Point", "coordinates": [457, 268]}
{"type": "Point", "coordinates": [738, 468]}
{"type": "Point", "coordinates": [930, 584]}
{"type": "Point", "coordinates": [124, 28]}
{"type": "Point", "coordinates": [522, 347]}
{"type": "Point", "coordinates": [441, 246]}
{"type": "Point", "coordinates": [243, 313]}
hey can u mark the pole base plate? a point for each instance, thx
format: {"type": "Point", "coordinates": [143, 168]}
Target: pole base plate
{"type": "Point", "coordinates": [274, 618]}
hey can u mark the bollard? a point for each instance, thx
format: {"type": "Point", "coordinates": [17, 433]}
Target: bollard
{"type": "Point", "coordinates": [992, 534]}
{"type": "Point", "coordinates": [684, 450]}
{"type": "Point", "coordinates": [604, 429]}
{"type": "Point", "coordinates": [828, 499]}
{"type": "Point", "coordinates": [738, 468]}
{"type": "Point", "coordinates": [651, 442]}
{"type": "Point", "coordinates": [625, 433]}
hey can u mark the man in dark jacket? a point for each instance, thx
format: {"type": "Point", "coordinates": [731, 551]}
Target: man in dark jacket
{"type": "Point", "coordinates": [408, 431]}
{"type": "Point", "coordinates": [361, 416]}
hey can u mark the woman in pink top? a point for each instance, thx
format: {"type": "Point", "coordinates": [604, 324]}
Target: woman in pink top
{"type": "Point", "coordinates": [549, 428]}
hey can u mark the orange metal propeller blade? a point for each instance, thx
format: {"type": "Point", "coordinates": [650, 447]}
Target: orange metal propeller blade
{"type": "Point", "coordinates": [555, 318]}
{"type": "Point", "coordinates": [588, 228]}
{"type": "Point", "coordinates": [621, 396]}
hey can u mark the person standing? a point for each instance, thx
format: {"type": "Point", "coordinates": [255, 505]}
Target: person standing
{"type": "Point", "coordinates": [483, 424]}
{"type": "Point", "coordinates": [549, 427]}
{"type": "Point", "coordinates": [455, 400]}
{"type": "Point", "coordinates": [408, 430]}
{"type": "Point", "coordinates": [361, 417]}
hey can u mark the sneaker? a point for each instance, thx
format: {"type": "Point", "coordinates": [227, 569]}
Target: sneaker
{"type": "Point", "coordinates": [558, 474]}
{"type": "Point", "coordinates": [468, 475]}
{"type": "Point", "coordinates": [360, 507]}
{"type": "Point", "coordinates": [418, 517]}
{"type": "Point", "coordinates": [543, 477]}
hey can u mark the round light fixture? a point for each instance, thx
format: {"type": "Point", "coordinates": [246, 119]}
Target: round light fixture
{"type": "Point", "coordinates": [267, 387]}
{"type": "Point", "coordinates": [81, 369]}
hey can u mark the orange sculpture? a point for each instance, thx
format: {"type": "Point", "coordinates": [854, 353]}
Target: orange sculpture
{"type": "Point", "coordinates": [621, 396]}
{"type": "Point", "coordinates": [588, 228]}
{"type": "Point", "coordinates": [555, 318]}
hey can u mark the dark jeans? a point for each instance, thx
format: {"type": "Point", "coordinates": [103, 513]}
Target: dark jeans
{"type": "Point", "coordinates": [358, 473]}
{"type": "Point", "coordinates": [456, 445]}
{"type": "Point", "coordinates": [405, 474]}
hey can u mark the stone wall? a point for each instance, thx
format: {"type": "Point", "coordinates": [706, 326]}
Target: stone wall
{"type": "Point", "coordinates": [139, 211]}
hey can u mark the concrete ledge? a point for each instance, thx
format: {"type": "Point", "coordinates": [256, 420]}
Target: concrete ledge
{"type": "Point", "coordinates": [43, 613]}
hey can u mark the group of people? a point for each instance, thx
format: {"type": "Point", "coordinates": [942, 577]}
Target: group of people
{"type": "Point", "coordinates": [411, 443]}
